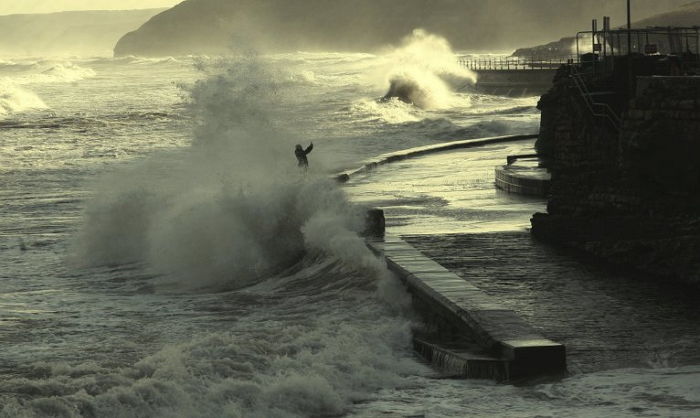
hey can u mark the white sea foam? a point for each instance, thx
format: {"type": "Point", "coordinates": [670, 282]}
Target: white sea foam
{"type": "Point", "coordinates": [312, 340]}
{"type": "Point", "coordinates": [14, 99]}
{"type": "Point", "coordinates": [319, 370]}
{"type": "Point", "coordinates": [390, 111]}
{"type": "Point", "coordinates": [424, 70]}
{"type": "Point", "coordinates": [234, 209]}
{"type": "Point", "coordinates": [132, 59]}
{"type": "Point", "coordinates": [60, 73]}
{"type": "Point", "coordinates": [51, 72]}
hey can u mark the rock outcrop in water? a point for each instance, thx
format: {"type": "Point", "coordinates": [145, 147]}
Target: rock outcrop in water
{"type": "Point", "coordinates": [74, 33]}
{"type": "Point", "coordinates": [212, 26]}
{"type": "Point", "coordinates": [408, 91]}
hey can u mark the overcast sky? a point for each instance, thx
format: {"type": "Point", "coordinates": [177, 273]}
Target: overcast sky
{"type": "Point", "coordinates": [48, 6]}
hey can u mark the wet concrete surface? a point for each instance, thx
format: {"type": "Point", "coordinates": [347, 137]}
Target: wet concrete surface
{"type": "Point", "coordinates": [446, 205]}
{"type": "Point", "coordinates": [447, 192]}
{"type": "Point", "coordinates": [470, 313]}
{"type": "Point", "coordinates": [606, 319]}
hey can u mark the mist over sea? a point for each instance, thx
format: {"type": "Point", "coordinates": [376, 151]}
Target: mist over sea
{"type": "Point", "coordinates": [163, 256]}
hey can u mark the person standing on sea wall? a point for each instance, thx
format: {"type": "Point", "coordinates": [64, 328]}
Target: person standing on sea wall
{"type": "Point", "coordinates": [301, 155]}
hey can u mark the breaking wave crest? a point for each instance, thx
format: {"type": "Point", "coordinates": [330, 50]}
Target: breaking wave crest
{"type": "Point", "coordinates": [424, 71]}
{"type": "Point", "coordinates": [233, 216]}
{"type": "Point", "coordinates": [277, 371]}
{"type": "Point", "coordinates": [232, 210]}
{"type": "Point", "coordinates": [46, 72]}
{"type": "Point", "coordinates": [393, 111]}
{"type": "Point", "coordinates": [132, 59]}
{"type": "Point", "coordinates": [15, 99]}
{"type": "Point", "coordinates": [67, 72]}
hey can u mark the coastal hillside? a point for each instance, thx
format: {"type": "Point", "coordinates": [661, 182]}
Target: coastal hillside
{"type": "Point", "coordinates": [215, 26]}
{"type": "Point", "coordinates": [68, 33]}
{"type": "Point", "coordinates": [686, 15]}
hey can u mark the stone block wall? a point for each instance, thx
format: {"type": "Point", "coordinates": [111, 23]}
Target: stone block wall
{"type": "Point", "coordinates": [660, 145]}
{"type": "Point", "coordinates": [629, 195]}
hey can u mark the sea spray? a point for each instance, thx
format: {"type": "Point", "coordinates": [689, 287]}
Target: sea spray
{"type": "Point", "coordinates": [423, 71]}
{"type": "Point", "coordinates": [45, 72]}
{"type": "Point", "coordinates": [317, 369]}
{"type": "Point", "coordinates": [234, 216]}
{"type": "Point", "coordinates": [14, 98]}
{"type": "Point", "coordinates": [232, 210]}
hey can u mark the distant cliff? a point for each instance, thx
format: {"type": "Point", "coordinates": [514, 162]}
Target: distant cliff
{"type": "Point", "coordinates": [686, 15]}
{"type": "Point", "coordinates": [68, 33]}
{"type": "Point", "coordinates": [213, 26]}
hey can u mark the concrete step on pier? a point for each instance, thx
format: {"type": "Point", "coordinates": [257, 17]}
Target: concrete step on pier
{"type": "Point", "coordinates": [525, 180]}
{"type": "Point", "coordinates": [461, 360]}
{"type": "Point", "coordinates": [461, 311]}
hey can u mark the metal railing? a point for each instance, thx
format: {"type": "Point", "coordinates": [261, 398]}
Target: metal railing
{"type": "Point", "coordinates": [648, 41]}
{"type": "Point", "coordinates": [599, 110]}
{"type": "Point", "coordinates": [510, 64]}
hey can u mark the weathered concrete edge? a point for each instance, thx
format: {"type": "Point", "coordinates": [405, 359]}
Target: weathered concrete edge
{"type": "Point", "coordinates": [495, 328]}
{"type": "Point", "coordinates": [461, 364]}
{"type": "Point", "coordinates": [512, 183]}
{"type": "Point", "coordinates": [383, 159]}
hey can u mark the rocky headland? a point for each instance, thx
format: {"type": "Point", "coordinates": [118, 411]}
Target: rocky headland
{"type": "Point", "coordinates": [91, 32]}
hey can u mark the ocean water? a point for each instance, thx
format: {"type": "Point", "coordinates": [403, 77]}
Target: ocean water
{"type": "Point", "coordinates": [163, 256]}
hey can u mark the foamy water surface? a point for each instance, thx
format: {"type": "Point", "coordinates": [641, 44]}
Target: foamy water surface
{"type": "Point", "coordinates": [163, 256]}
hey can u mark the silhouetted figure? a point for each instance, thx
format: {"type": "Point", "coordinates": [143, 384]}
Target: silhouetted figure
{"type": "Point", "coordinates": [301, 155]}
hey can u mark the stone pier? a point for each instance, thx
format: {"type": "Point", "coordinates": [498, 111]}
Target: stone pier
{"type": "Point", "coordinates": [477, 336]}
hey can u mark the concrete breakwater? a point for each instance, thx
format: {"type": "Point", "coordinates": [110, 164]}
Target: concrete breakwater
{"type": "Point", "coordinates": [468, 333]}
{"type": "Point", "coordinates": [607, 319]}
{"type": "Point", "coordinates": [472, 335]}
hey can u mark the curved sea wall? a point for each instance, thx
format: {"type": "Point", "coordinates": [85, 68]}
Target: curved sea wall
{"type": "Point", "coordinates": [628, 196]}
{"type": "Point", "coordinates": [383, 159]}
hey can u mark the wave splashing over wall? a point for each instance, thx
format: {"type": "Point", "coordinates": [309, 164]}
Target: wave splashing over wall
{"type": "Point", "coordinates": [234, 209]}
{"type": "Point", "coordinates": [424, 71]}
{"type": "Point", "coordinates": [291, 315]}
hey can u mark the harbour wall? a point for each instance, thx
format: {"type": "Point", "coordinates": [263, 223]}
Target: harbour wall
{"type": "Point", "coordinates": [472, 335]}
{"type": "Point", "coordinates": [628, 196]}
{"type": "Point", "coordinates": [514, 83]}
{"type": "Point", "coordinates": [468, 334]}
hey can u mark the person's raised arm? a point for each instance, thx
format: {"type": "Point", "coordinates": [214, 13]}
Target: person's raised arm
{"type": "Point", "coordinates": [309, 148]}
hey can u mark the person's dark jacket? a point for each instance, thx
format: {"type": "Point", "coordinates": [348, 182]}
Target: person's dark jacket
{"type": "Point", "coordinates": [302, 153]}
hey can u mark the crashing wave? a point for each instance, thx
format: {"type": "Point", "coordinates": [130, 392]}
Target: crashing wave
{"type": "Point", "coordinates": [235, 209]}
{"type": "Point", "coordinates": [14, 99]}
{"type": "Point", "coordinates": [67, 72]}
{"type": "Point", "coordinates": [409, 90]}
{"type": "Point", "coordinates": [49, 72]}
{"type": "Point", "coordinates": [424, 71]}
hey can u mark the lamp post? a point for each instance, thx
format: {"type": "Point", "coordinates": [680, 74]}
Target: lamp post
{"type": "Point", "coordinates": [630, 74]}
{"type": "Point", "coordinates": [629, 29]}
